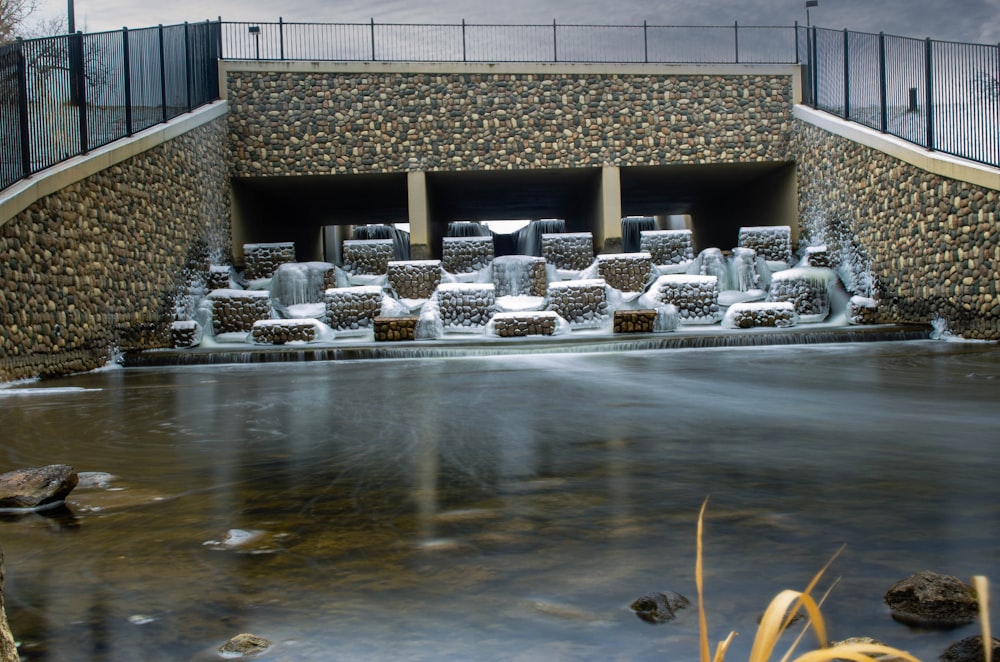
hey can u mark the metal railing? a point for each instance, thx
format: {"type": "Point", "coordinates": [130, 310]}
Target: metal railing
{"type": "Point", "coordinates": [469, 42]}
{"type": "Point", "coordinates": [942, 95]}
{"type": "Point", "coordinates": [63, 96]}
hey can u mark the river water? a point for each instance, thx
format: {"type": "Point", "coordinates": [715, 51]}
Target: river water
{"type": "Point", "coordinates": [505, 508]}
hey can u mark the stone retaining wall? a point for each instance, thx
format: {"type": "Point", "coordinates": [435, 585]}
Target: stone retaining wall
{"type": "Point", "coordinates": [338, 121]}
{"type": "Point", "coordinates": [931, 243]}
{"type": "Point", "coordinates": [98, 264]}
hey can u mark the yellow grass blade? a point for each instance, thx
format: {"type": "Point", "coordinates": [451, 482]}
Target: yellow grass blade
{"type": "Point", "coordinates": [805, 628]}
{"type": "Point", "coordinates": [702, 621]}
{"type": "Point", "coordinates": [982, 586]}
{"type": "Point", "coordinates": [774, 621]}
{"type": "Point", "coordinates": [723, 647]}
{"type": "Point", "coordinates": [856, 652]}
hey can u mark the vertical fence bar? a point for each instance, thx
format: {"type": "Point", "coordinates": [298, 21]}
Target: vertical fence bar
{"type": "Point", "coordinates": [281, 38]}
{"type": "Point", "coordinates": [373, 38]}
{"type": "Point", "coordinates": [127, 72]}
{"type": "Point", "coordinates": [645, 42]}
{"type": "Point", "coordinates": [882, 85]}
{"type": "Point", "coordinates": [736, 39]}
{"type": "Point", "coordinates": [163, 76]}
{"type": "Point", "coordinates": [463, 41]}
{"type": "Point", "coordinates": [796, 33]}
{"type": "Point", "coordinates": [22, 103]}
{"type": "Point", "coordinates": [929, 92]}
{"type": "Point", "coordinates": [555, 43]}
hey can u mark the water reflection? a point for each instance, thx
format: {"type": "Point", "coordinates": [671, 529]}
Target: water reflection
{"type": "Point", "coordinates": [498, 508]}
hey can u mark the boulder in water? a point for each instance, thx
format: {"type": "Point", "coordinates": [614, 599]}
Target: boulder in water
{"type": "Point", "coordinates": [930, 600]}
{"type": "Point", "coordinates": [659, 607]}
{"type": "Point", "coordinates": [970, 649]}
{"type": "Point", "coordinates": [37, 488]}
{"type": "Point", "coordinates": [244, 645]}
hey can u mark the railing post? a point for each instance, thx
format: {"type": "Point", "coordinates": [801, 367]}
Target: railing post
{"type": "Point", "coordinates": [814, 67]}
{"type": "Point", "coordinates": [463, 41]}
{"type": "Point", "coordinates": [373, 38]}
{"type": "Point", "coordinates": [798, 60]}
{"type": "Point", "coordinates": [736, 39]}
{"type": "Point", "coordinates": [78, 82]}
{"type": "Point", "coordinates": [163, 76]}
{"type": "Point", "coordinates": [645, 42]}
{"type": "Point", "coordinates": [281, 38]}
{"type": "Point", "coordinates": [847, 75]}
{"type": "Point", "coordinates": [929, 97]}
{"type": "Point", "coordinates": [22, 106]}
{"type": "Point", "coordinates": [127, 73]}
{"type": "Point", "coordinates": [555, 43]}
{"type": "Point", "coordinates": [187, 64]}
{"type": "Point", "coordinates": [882, 84]}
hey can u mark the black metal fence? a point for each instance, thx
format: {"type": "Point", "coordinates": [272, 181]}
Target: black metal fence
{"type": "Point", "coordinates": [63, 96]}
{"type": "Point", "coordinates": [942, 95]}
{"type": "Point", "coordinates": [468, 42]}
{"type": "Point", "coordinates": [66, 95]}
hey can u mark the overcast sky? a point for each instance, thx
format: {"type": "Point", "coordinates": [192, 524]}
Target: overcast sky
{"type": "Point", "coordinates": [958, 20]}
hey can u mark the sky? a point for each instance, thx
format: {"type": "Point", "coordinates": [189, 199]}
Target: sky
{"type": "Point", "coordinates": [975, 21]}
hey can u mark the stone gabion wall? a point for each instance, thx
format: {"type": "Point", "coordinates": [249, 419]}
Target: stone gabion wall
{"type": "Point", "coordinates": [570, 251]}
{"type": "Point", "coordinates": [353, 308]}
{"type": "Point", "coordinates": [667, 247]}
{"type": "Point", "coordinates": [634, 321]}
{"type": "Point", "coordinates": [236, 311]}
{"type": "Point", "coordinates": [508, 271]}
{"type": "Point", "coordinates": [337, 122]}
{"type": "Point", "coordinates": [580, 302]}
{"type": "Point", "coordinates": [628, 272]}
{"type": "Point", "coordinates": [279, 332]}
{"type": "Point", "coordinates": [696, 297]}
{"type": "Point", "coordinates": [760, 313]}
{"type": "Point", "coordinates": [99, 264]}
{"type": "Point", "coordinates": [518, 325]}
{"type": "Point", "coordinates": [930, 242]}
{"type": "Point", "coordinates": [464, 255]}
{"type": "Point", "coordinates": [808, 288]}
{"type": "Point", "coordinates": [466, 305]}
{"type": "Point", "coordinates": [394, 329]}
{"type": "Point", "coordinates": [262, 260]}
{"type": "Point", "coordinates": [218, 277]}
{"type": "Point", "coordinates": [367, 256]}
{"type": "Point", "coordinates": [414, 279]}
{"type": "Point", "coordinates": [773, 243]}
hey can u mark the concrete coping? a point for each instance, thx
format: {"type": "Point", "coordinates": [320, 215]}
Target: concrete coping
{"type": "Point", "coordinates": [936, 163]}
{"type": "Point", "coordinates": [18, 197]}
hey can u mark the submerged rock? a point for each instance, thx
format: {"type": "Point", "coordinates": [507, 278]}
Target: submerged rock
{"type": "Point", "coordinates": [659, 608]}
{"type": "Point", "coordinates": [930, 600]}
{"type": "Point", "coordinates": [37, 488]}
{"type": "Point", "coordinates": [244, 645]}
{"type": "Point", "coordinates": [970, 649]}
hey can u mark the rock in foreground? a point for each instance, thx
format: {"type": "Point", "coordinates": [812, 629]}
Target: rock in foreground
{"type": "Point", "coordinates": [659, 608]}
{"type": "Point", "coordinates": [37, 488]}
{"type": "Point", "coordinates": [930, 600]}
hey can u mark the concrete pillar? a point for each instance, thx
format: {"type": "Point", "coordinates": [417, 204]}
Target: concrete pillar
{"type": "Point", "coordinates": [609, 210]}
{"type": "Point", "coordinates": [419, 215]}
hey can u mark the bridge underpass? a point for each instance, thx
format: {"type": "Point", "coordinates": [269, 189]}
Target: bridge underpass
{"type": "Point", "coordinates": [318, 212]}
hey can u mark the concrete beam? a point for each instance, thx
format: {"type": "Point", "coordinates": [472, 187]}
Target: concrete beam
{"type": "Point", "coordinates": [609, 211]}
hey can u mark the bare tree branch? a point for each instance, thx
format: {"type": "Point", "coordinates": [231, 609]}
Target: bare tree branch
{"type": "Point", "coordinates": [13, 14]}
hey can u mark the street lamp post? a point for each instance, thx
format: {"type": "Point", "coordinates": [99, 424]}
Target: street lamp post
{"type": "Point", "coordinates": [255, 31]}
{"type": "Point", "coordinates": [71, 25]}
{"type": "Point", "coordinates": [810, 3]}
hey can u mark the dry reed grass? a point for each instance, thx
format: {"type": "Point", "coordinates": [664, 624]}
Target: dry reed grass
{"type": "Point", "coordinates": [786, 605]}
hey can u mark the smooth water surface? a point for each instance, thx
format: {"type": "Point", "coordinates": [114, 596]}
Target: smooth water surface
{"type": "Point", "coordinates": [502, 508]}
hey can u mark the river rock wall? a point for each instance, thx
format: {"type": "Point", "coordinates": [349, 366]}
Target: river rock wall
{"type": "Point", "coordinates": [930, 244]}
{"type": "Point", "coordinates": [98, 265]}
{"type": "Point", "coordinates": [344, 122]}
